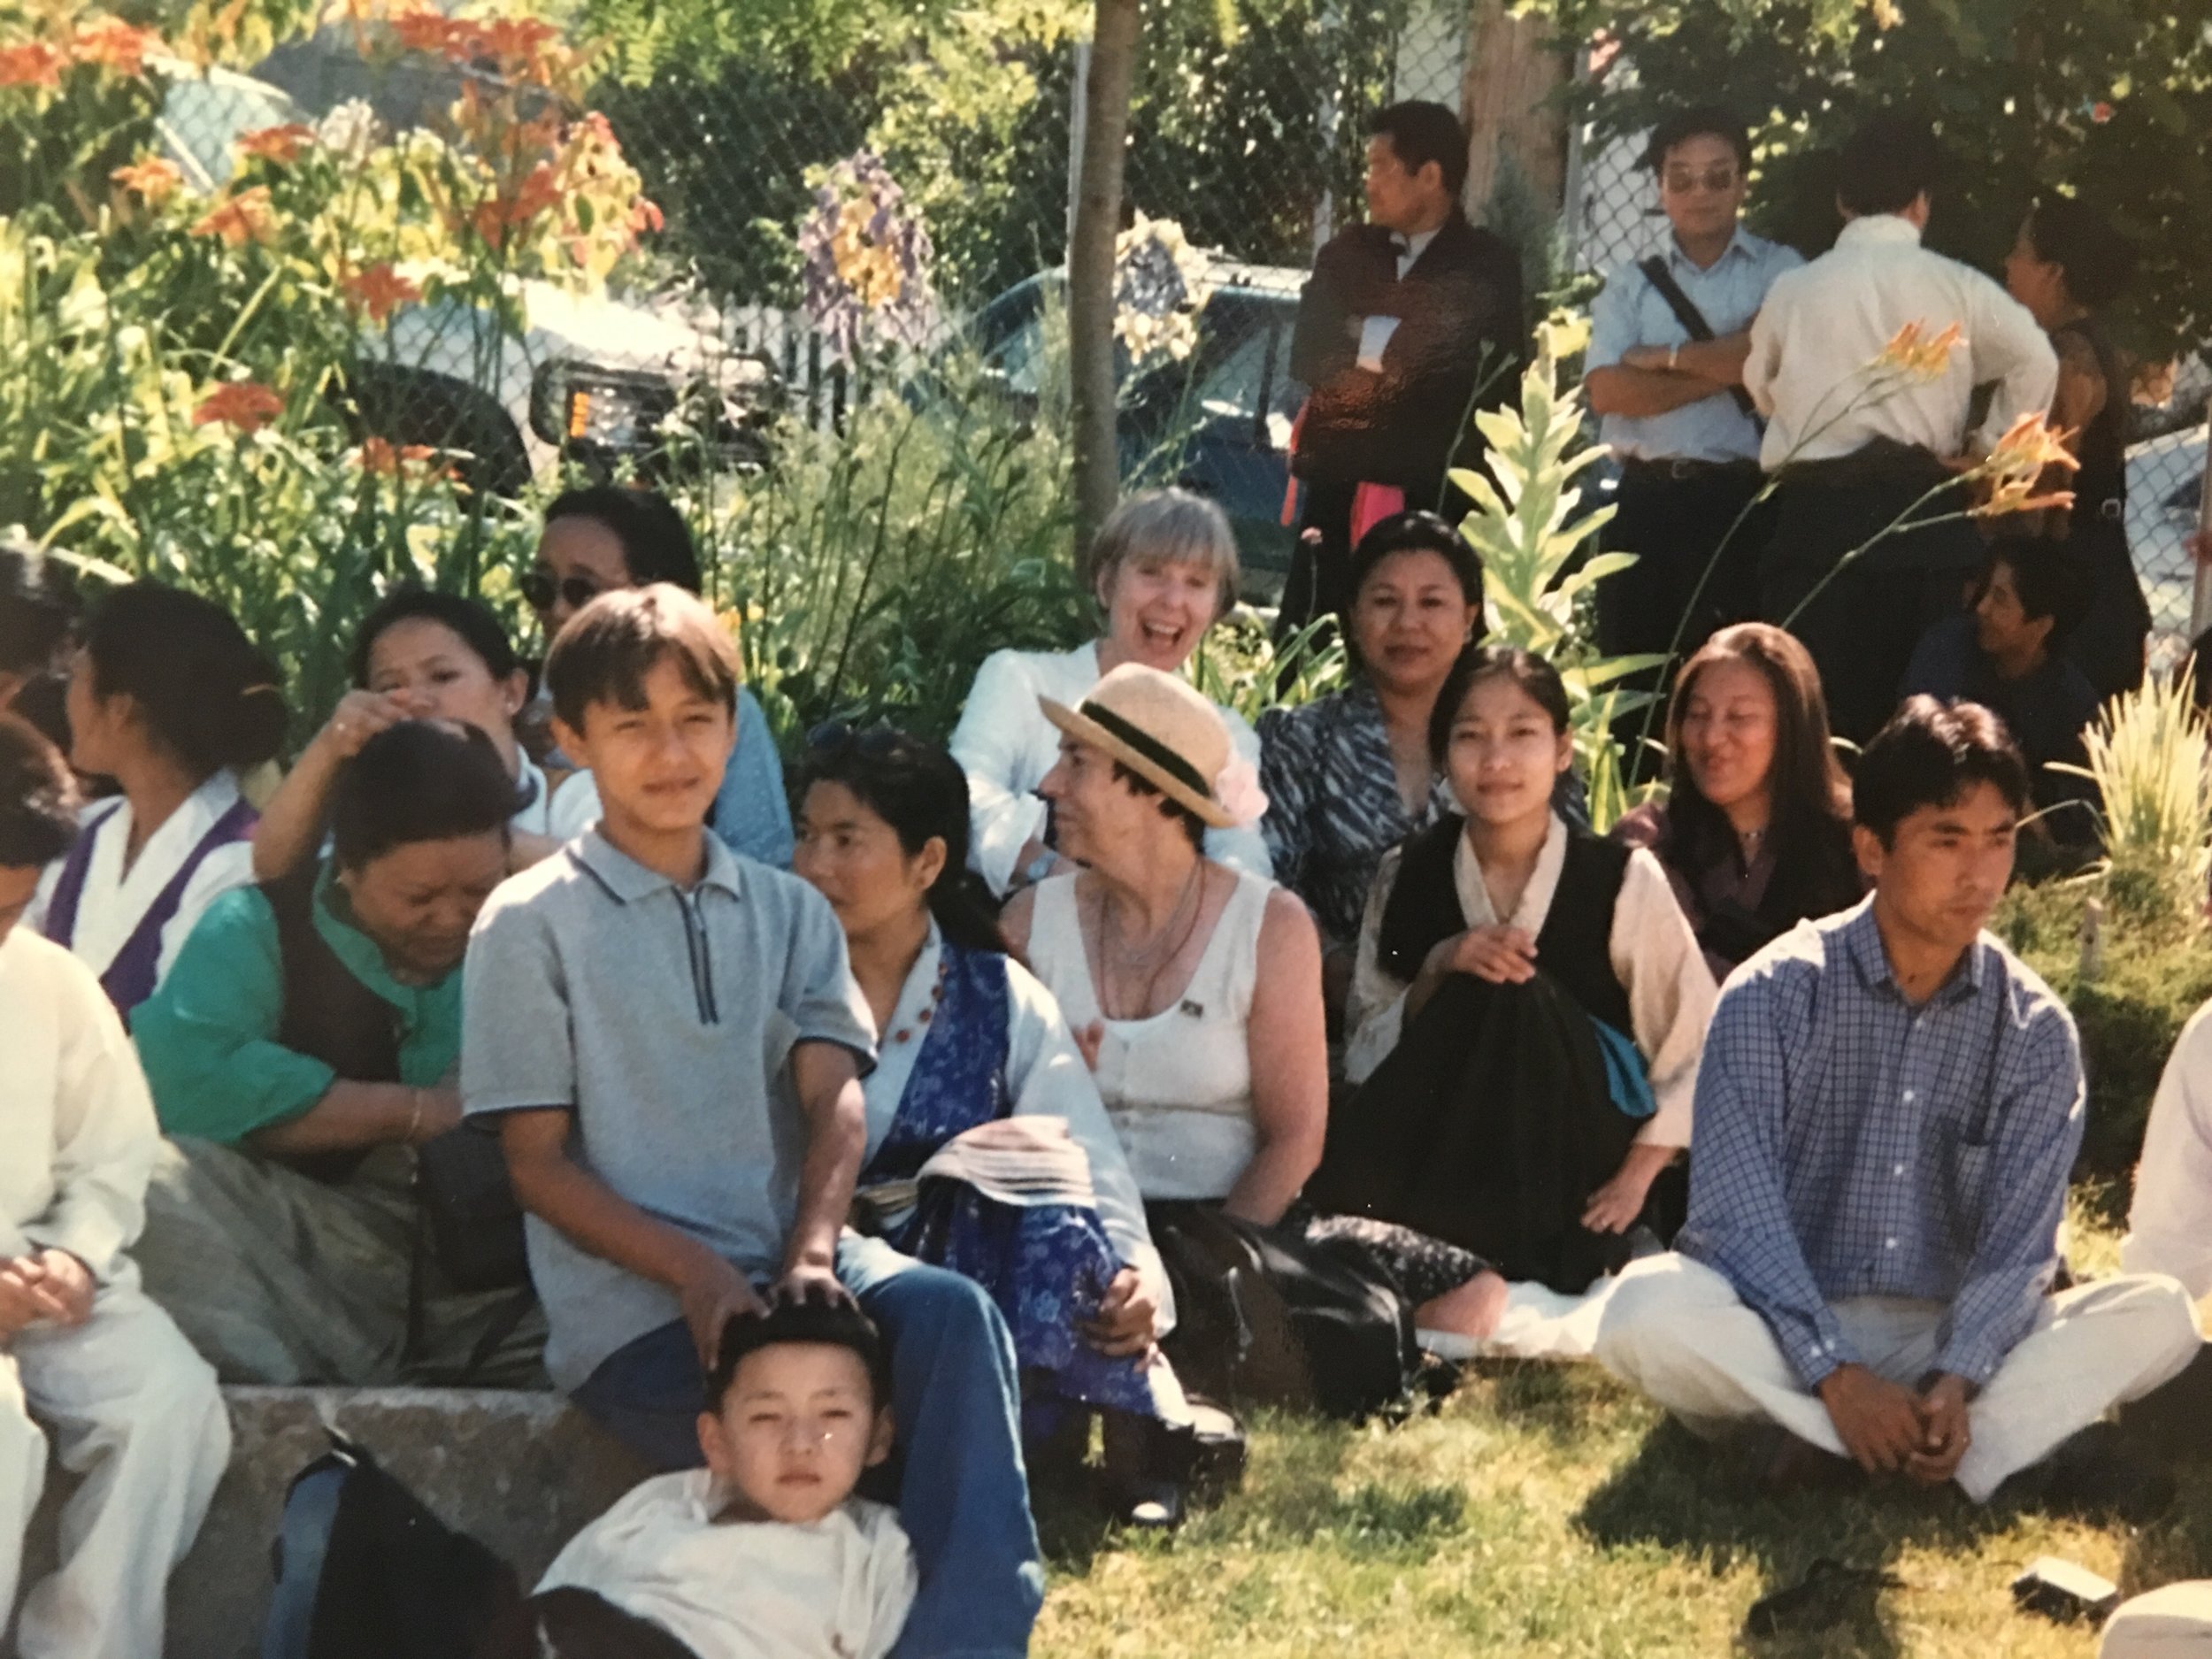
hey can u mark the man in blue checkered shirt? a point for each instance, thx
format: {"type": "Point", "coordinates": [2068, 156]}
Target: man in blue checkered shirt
{"type": "Point", "coordinates": [1887, 1108]}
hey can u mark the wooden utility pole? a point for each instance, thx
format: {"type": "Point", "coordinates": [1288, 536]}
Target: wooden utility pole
{"type": "Point", "coordinates": [1092, 393]}
{"type": "Point", "coordinates": [1507, 98]}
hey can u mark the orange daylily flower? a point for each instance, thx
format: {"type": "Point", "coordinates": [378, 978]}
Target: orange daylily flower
{"type": "Point", "coordinates": [239, 218]}
{"type": "Point", "coordinates": [32, 64]}
{"type": "Point", "coordinates": [279, 144]}
{"type": "Point", "coordinates": [518, 41]}
{"type": "Point", "coordinates": [380, 291]}
{"type": "Point", "coordinates": [245, 404]}
{"type": "Point", "coordinates": [153, 180]}
{"type": "Point", "coordinates": [377, 456]}
{"type": "Point", "coordinates": [2030, 456]}
{"type": "Point", "coordinates": [1922, 359]}
{"type": "Point", "coordinates": [115, 45]}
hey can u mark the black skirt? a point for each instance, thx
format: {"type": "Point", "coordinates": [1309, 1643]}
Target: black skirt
{"type": "Point", "coordinates": [1488, 1127]}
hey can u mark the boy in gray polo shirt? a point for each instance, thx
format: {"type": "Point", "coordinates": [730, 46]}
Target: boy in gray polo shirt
{"type": "Point", "coordinates": [673, 1043]}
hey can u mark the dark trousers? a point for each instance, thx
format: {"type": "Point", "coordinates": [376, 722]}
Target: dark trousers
{"type": "Point", "coordinates": [1697, 540]}
{"type": "Point", "coordinates": [1861, 619]}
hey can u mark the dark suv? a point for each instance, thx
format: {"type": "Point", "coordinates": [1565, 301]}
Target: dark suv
{"type": "Point", "coordinates": [1217, 422]}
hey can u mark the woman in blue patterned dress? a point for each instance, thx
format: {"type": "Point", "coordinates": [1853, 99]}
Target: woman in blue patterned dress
{"type": "Point", "coordinates": [989, 1150]}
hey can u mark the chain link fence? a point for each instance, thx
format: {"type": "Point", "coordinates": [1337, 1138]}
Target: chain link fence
{"type": "Point", "coordinates": [1246, 131]}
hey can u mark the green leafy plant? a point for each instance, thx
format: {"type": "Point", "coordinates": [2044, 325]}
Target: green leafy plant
{"type": "Point", "coordinates": [1242, 665]}
{"type": "Point", "coordinates": [1530, 530]}
{"type": "Point", "coordinates": [869, 572]}
{"type": "Point", "coordinates": [183, 363]}
{"type": "Point", "coordinates": [2147, 756]}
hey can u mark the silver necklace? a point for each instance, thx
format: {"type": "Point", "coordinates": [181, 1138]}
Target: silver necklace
{"type": "Point", "coordinates": [1135, 961]}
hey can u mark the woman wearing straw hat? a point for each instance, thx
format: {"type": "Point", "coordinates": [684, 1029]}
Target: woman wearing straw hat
{"type": "Point", "coordinates": [1196, 992]}
{"type": "Point", "coordinates": [1165, 572]}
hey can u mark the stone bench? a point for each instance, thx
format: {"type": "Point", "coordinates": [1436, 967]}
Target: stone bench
{"type": "Point", "coordinates": [520, 1471]}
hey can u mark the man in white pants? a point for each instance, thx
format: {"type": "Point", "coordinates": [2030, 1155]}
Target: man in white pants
{"type": "Point", "coordinates": [85, 1357]}
{"type": "Point", "coordinates": [1887, 1108]}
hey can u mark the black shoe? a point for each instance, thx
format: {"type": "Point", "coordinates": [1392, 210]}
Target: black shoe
{"type": "Point", "coordinates": [1145, 1469]}
{"type": "Point", "coordinates": [1829, 1593]}
{"type": "Point", "coordinates": [2095, 1476]}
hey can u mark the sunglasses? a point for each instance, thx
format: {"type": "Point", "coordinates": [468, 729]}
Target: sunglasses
{"type": "Point", "coordinates": [539, 590]}
{"type": "Point", "coordinates": [870, 743]}
{"type": "Point", "coordinates": [1718, 179]}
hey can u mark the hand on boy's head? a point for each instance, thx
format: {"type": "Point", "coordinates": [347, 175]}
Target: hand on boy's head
{"type": "Point", "coordinates": [810, 1283]}
{"type": "Point", "coordinates": [797, 1424]}
{"type": "Point", "coordinates": [712, 1295]}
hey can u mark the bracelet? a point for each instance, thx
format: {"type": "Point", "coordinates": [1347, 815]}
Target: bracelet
{"type": "Point", "coordinates": [414, 1119]}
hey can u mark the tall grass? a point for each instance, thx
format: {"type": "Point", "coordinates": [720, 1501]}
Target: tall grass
{"type": "Point", "coordinates": [874, 569]}
{"type": "Point", "coordinates": [2147, 756]}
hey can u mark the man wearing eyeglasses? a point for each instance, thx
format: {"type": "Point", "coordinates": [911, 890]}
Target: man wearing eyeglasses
{"type": "Point", "coordinates": [1668, 339]}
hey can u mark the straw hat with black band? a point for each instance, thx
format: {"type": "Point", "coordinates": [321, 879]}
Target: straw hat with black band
{"type": "Point", "coordinates": [1162, 728]}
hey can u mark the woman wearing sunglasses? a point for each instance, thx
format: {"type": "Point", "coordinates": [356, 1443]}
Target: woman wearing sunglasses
{"type": "Point", "coordinates": [606, 537]}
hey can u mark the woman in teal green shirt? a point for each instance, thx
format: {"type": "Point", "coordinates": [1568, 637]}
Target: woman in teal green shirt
{"type": "Point", "coordinates": [302, 1048]}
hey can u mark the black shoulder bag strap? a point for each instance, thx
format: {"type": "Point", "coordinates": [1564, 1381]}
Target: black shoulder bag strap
{"type": "Point", "coordinates": [1686, 313]}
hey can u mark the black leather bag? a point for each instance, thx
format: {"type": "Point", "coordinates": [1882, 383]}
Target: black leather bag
{"type": "Point", "coordinates": [365, 1570]}
{"type": "Point", "coordinates": [469, 1210]}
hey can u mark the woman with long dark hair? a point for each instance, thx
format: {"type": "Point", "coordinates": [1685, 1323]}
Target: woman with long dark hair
{"type": "Point", "coordinates": [1755, 831]}
{"type": "Point", "coordinates": [170, 700]}
{"type": "Point", "coordinates": [980, 1084]}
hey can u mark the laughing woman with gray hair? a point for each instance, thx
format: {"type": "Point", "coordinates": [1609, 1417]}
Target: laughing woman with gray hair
{"type": "Point", "coordinates": [1164, 571]}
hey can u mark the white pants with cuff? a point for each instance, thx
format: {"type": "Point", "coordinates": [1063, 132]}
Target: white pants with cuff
{"type": "Point", "coordinates": [135, 1411]}
{"type": "Point", "coordinates": [1677, 1331]}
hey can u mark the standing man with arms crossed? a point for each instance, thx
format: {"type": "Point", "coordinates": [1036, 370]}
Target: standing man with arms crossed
{"type": "Point", "coordinates": [1857, 444]}
{"type": "Point", "coordinates": [1405, 318]}
{"type": "Point", "coordinates": [1669, 336]}
{"type": "Point", "coordinates": [1888, 1110]}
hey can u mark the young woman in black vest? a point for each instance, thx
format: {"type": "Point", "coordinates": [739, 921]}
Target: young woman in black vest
{"type": "Point", "coordinates": [1527, 1012]}
{"type": "Point", "coordinates": [302, 1058]}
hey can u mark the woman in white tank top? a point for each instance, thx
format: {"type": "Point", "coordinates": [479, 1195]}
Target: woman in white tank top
{"type": "Point", "coordinates": [1195, 988]}
{"type": "Point", "coordinates": [1196, 991]}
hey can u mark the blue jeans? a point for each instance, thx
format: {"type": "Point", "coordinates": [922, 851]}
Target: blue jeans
{"type": "Point", "coordinates": [962, 1497]}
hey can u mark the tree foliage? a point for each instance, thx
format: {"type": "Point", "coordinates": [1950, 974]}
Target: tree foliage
{"type": "Point", "coordinates": [2110, 100]}
{"type": "Point", "coordinates": [1246, 113]}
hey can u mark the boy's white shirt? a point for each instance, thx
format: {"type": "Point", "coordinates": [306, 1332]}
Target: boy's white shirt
{"type": "Point", "coordinates": [76, 1121]}
{"type": "Point", "coordinates": [838, 1588]}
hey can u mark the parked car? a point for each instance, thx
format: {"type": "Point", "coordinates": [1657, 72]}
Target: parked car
{"type": "Point", "coordinates": [1218, 421]}
{"type": "Point", "coordinates": [593, 377]}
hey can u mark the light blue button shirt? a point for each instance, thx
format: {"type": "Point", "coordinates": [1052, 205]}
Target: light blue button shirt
{"type": "Point", "coordinates": [1631, 312]}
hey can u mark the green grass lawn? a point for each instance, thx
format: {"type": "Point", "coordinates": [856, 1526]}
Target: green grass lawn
{"type": "Point", "coordinates": [1546, 1510]}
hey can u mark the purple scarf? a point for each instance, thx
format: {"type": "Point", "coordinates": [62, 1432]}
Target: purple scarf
{"type": "Point", "coordinates": [130, 977]}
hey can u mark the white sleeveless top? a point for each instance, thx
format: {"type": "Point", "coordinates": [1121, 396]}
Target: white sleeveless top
{"type": "Point", "coordinates": [1178, 1086]}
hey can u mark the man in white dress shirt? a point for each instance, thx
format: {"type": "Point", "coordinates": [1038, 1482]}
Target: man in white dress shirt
{"type": "Point", "coordinates": [1859, 443]}
{"type": "Point", "coordinates": [85, 1357]}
